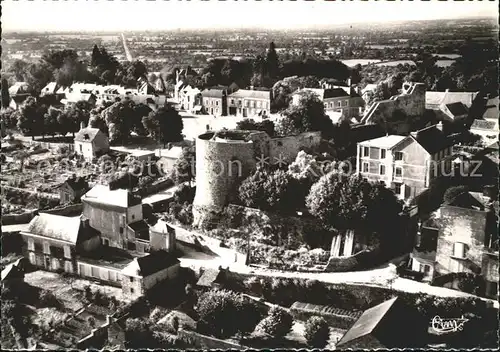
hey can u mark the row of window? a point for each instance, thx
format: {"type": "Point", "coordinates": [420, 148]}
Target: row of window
{"type": "Point", "coordinates": [253, 103]}
{"type": "Point", "coordinates": [380, 153]}
{"type": "Point", "coordinates": [46, 248]}
{"type": "Point", "coordinates": [398, 171]}
{"type": "Point", "coordinates": [336, 104]}
{"type": "Point", "coordinates": [211, 102]}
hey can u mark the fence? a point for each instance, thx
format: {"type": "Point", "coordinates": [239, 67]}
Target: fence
{"type": "Point", "coordinates": [204, 342]}
{"type": "Point", "coordinates": [48, 145]}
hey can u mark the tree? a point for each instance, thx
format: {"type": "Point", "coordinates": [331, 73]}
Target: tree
{"type": "Point", "coordinates": [217, 309]}
{"type": "Point", "coordinates": [184, 194]}
{"type": "Point", "coordinates": [269, 191]}
{"type": "Point", "coordinates": [278, 323]}
{"type": "Point", "coordinates": [51, 121]}
{"type": "Point", "coordinates": [317, 332]}
{"type": "Point", "coordinates": [272, 61]}
{"type": "Point", "coordinates": [5, 93]}
{"type": "Point", "coordinates": [345, 202]}
{"type": "Point", "coordinates": [37, 75]}
{"type": "Point", "coordinates": [19, 68]}
{"type": "Point", "coordinates": [184, 167]}
{"type": "Point", "coordinates": [140, 111]}
{"type": "Point", "coordinates": [164, 125]}
{"type": "Point", "coordinates": [308, 115]}
{"type": "Point", "coordinates": [30, 118]}
{"type": "Point", "coordinates": [119, 118]}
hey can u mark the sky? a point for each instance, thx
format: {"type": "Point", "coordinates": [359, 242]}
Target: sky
{"type": "Point", "coordinates": [120, 15]}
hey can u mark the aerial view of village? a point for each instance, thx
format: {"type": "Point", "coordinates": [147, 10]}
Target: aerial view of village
{"type": "Point", "coordinates": [170, 180]}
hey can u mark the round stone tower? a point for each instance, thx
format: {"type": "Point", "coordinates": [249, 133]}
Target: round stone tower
{"type": "Point", "coordinates": [223, 159]}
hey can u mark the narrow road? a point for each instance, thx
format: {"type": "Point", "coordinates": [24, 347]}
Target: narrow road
{"type": "Point", "coordinates": [385, 276]}
{"type": "Point", "coordinates": [128, 55]}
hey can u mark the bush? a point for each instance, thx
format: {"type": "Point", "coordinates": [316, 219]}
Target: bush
{"type": "Point", "coordinates": [317, 332]}
{"type": "Point", "coordinates": [217, 310]}
{"type": "Point", "coordinates": [278, 323]}
{"type": "Point", "coordinates": [47, 299]}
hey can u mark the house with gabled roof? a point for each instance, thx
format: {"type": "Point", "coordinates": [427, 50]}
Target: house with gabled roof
{"type": "Point", "coordinates": [53, 241]}
{"type": "Point", "coordinates": [387, 326]}
{"type": "Point", "coordinates": [407, 164]}
{"type": "Point", "coordinates": [215, 101]}
{"type": "Point", "coordinates": [73, 189]}
{"type": "Point", "coordinates": [247, 103]}
{"type": "Point", "coordinates": [91, 142]}
{"type": "Point", "coordinates": [117, 215]}
{"type": "Point", "coordinates": [143, 273]}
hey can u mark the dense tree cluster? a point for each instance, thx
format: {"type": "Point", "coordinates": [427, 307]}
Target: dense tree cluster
{"type": "Point", "coordinates": [164, 125]}
{"type": "Point", "coordinates": [250, 124]}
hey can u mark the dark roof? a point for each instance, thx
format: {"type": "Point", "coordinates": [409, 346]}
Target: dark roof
{"type": "Point", "coordinates": [432, 139]}
{"type": "Point", "coordinates": [367, 323]}
{"type": "Point", "coordinates": [155, 262]}
{"type": "Point", "coordinates": [87, 134]}
{"type": "Point", "coordinates": [141, 229]}
{"type": "Point", "coordinates": [77, 183]}
{"type": "Point", "coordinates": [209, 277]}
{"type": "Point", "coordinates": [465, 200]}
{"type": "Point", "coordinates": [213, 93]}
{"type": "Point", "coordinates": [335, 93]}
{"type": "Point", "coordinates": [11, 271]}
{"type": "Point", "coordinates": [20, 98]}
{"type": "Point", "coordinates": [457, 109]}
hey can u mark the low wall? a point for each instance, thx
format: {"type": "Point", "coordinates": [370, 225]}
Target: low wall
{"type": "Point", "coordinates": [24, 218]}
{"type": "Point", "coordinates": [48, 145]}
{"type": "Point", "coordinates": [204, 342]}
{"type": "Point", "coordinates": [341, 320]}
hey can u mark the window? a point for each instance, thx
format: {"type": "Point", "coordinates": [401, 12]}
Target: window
{"type": "Point", "coordinates": [338, 104]}
{"type": "Point", "coordinates": [331, 105]}
{"type": "Point", "coordinates": [31, 244]}
{"type": "Point", "coordinates": [67, 252]}
{"type": "Point", "coordinates": [46, 248]}
{"type": "Point", "coordinates": [366, 151]}
{"type": "Point", "coordinates": [232, 101]}
{"type": "Point", "coordinates": [344, 103]}
{"type": "Point", "coordinates": [366, 167]}
{"type": "Point", "coordinates": [259, 104]}
{"type": "Point", "coordinates": [459, 250]}
{"type": "Point", "coordinates": [131, 290]}
{"type": "Point", "coordinates": [81, 148]}
{"type": "Point", "coordinates": [382, 169]}
{"type": "Point", "coordinates": [105, 242]}
{"type": "Point", "coordinates": [133, 216]}
{"type": "Point", "coordinates": [131, 279]}
{"type": "Point", "coordinates": [326, 106]}
{"type": "Point", "coordinates": [95, 272]}
{"type": "Point", "coordinates": [217, 103]}
{"type": "Point", "coordinates": [121, 230]}
{"type": "Point", "coordinates": [382, 153]}
{"type": "Point", "coordinates": [398, 156]}
{"type": "Point", "coordinates": [397, 188]}
{"type": "Point", "coordinates": [398, 171]}
{"type": "Point", "coordinates": [425, 268]}
{"type": "Point", "coordinates": [131, 246]}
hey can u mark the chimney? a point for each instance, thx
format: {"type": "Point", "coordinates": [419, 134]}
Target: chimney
{"type": "Point", "coordinates": [82, 125]}
{"type": "Point", "coordinates": [447, 90]}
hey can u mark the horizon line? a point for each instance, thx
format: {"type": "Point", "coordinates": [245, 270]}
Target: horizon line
{"type": "Point", "coordinates": [256, 27]}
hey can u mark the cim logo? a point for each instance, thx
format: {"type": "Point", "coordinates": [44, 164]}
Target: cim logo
{"type": "Point", "coordinates": [447, 325]}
